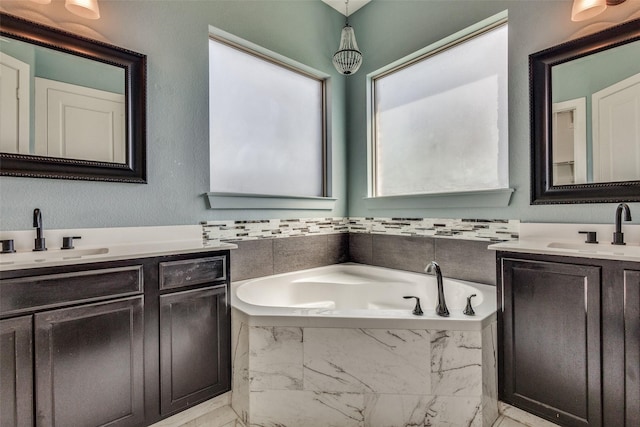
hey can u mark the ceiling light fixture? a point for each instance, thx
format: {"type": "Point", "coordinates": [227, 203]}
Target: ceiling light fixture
{"type": "Point", "coordinates": [85, 8]}
{"type": "Point", "coordinates": [586, 9]}
{"type": "Point", "coordinates": [348, 58]}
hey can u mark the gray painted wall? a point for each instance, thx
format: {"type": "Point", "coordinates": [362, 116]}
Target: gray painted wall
{"type": "Point", "coordinates": [174, 36]}
{"type": "Point", "coordinates": [388, 30]}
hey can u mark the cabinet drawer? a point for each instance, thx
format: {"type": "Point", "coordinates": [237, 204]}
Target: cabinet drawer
{"type": "Point", "coordinates": [175, 274]}
{"type": "Point", "coordinates": [46, 291]}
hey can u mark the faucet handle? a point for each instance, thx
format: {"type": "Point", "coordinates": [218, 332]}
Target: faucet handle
{"type": "Point", "coordinates": [67, 242]}
{"type": "Point", "coordinates": [7, 246]}
{"type": "Point", "coordinates": [469, 308]}
{"type": "Point", "coordinates": [417, 309]}
{"type": "Point", "coordinates": [592, 236]}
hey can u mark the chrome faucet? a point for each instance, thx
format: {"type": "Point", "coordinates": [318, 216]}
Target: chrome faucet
{"type": "Point", "coordinates": [441, 308]}
{"type": "Point", "coordinates": [37, 222]}
{"type": "Point", "coordinates": [618, 235]}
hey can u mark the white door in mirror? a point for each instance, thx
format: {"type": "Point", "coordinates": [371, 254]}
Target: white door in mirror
{"type": "Point", "coordinates": [616, 132]}
{"type": "Point", "coordinates": [76, 122]}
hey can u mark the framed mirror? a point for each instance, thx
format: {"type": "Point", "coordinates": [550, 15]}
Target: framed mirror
{"type": "Point", "coordinates": [585, 119]}
{"type": "Point", "coordinates": [71, 107]}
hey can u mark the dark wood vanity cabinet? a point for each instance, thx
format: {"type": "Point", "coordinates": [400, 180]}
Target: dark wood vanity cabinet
{"type": "Point", "coordinates": [89, 364]}
{"type": "Point", "coordinates": [194, 332]}
{"type": "Point", "coordinates": [72, 346]}
{"type": "Point", "coordinates": [16, 371]}
{"type": "Point", "coordinates": [632, 347]}
{"type": "Point", "coordinates": [109, 344]}
{"type": "Point", "coordinates": [193, 338]}
{"type": "Point", "coordinates": [569, 338]}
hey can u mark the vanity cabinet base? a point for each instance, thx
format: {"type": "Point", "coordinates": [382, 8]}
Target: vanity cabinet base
{"type": "Point", "coordinates": [193, 338]}
{"type": "Point", "coordinates": [105, 344]}
{"type": "Point", "coordinates": [90, 364]}
{"type": "Point", "coordinates": [551, 340]}
{"type": "Point", "coordinates": [16, 371]}
{"type": "Point", "coordinates": [569, 338]}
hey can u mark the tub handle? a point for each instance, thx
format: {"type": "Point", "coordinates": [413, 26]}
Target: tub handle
{"type": "Point", "coordinates": [417, 310]}
{"type": "Point", "coordinates": [469, 308]}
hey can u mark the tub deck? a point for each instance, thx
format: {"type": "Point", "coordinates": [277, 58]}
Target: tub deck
{"type": "Point", "coordinates": [360, 296]}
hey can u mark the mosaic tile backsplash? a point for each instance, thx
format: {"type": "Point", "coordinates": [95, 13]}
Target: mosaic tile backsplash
{"type": "Point", "coordinates": [466, 229]}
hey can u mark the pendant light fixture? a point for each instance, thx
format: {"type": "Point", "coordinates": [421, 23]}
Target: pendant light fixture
{"type": "Point", "coordinates": [85, 8]}
{"type": "Point", "coordinates": [586, 9]}
{"type": "Point", "coordinates": [348, 58]}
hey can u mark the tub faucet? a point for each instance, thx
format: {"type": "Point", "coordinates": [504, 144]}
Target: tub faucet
{"type": "Point", "coordinates": [618, 235]}
{"type": "Point", "coordinates": [441, 308]}
{"type": "Point", "coordinates": [37, 222]}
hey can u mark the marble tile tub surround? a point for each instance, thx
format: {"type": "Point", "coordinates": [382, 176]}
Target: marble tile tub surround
{"type": "Point", "coordinates": [405, 244]}
{"type": "Point", "coordinates": [362, 377]}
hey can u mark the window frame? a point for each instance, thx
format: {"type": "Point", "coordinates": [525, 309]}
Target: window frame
{"type": "Point", "coordinates": [494, 197]}
{"type": "Point", "coordinates": [237, 200]}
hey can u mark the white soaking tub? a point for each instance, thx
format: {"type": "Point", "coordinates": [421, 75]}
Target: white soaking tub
{"type": "Point", "coordinates": [339, 346]}
{"type": "Point", "coordinates": [361, 296]}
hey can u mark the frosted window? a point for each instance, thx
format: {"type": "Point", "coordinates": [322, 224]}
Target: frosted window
{"type": "Point", "coordinates": [441, 122]}
{"type": "Point", "coordinates": [266, 126]}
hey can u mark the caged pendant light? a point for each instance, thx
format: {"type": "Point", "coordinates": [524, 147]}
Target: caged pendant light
{"type": "Point", "coordinates": [348, 58]}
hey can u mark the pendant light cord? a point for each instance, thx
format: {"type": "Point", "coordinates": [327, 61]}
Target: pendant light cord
{"type": "Point", "coordinates": [346, 10]}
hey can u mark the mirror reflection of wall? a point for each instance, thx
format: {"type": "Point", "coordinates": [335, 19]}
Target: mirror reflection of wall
{"type": "Point", "coordinates": [569, 151]}
{"type": "Point", "coordinates": [54, 104]}
{"type": "Point", "coordinates": [609, 83]}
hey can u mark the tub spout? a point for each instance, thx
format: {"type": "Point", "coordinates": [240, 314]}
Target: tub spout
{"type": "Point", "coordinates": [441, 308]}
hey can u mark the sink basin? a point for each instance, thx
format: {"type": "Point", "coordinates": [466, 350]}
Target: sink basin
{"type": "Point", "coordinates": [603, 248]}
{"type": "Point", "coordinates": [51, 255]}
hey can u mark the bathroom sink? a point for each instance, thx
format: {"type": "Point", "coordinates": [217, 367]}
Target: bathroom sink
{"type": "Point", "coordinates": [51, 255]}
{"type": "Point", "coordinates": [602, 248]}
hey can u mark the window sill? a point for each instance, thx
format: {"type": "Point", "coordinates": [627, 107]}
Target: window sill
{"type": "Point", "coordinates": [466, 199]}
{"type": "Point", "coordinates": [268, 202]}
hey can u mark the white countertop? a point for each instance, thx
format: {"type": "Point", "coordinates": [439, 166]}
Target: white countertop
{"type": "Point", "coordinates": [565, 240]}
{"type": "Point", "coordinates": [104, 244]}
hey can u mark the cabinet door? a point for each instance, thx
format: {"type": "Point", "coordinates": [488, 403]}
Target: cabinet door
{"type": "Point", "coordinates": [551, 351]}
{"type": "Point", "coordinates": [632, 347]}
{"type": "Point", "coordinates": [89, 365]}
{"type": "Point", "coordinates": [194, 347]}
{"type": "Point", "coordinates": [16, 372]}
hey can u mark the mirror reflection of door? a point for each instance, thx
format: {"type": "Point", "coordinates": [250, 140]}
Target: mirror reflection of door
{"type": "Point", "coordinates": [616, 131]}
{"type": "Point", "coordinates": [77, 122]}
{"type": "Point", "coordinates": [569, 151]}
{"type": "Point", "coordinates": [14, 105]}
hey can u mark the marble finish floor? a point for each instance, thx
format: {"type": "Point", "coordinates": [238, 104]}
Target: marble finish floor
{"type": "Point", "coordinates": [211, 421]}
{"type": "Point", "coordinates": [503, 421]}
{"type": "Point", "coordinates": [219, 420]}
{"type": "Point", "coordinates": [217, 412]}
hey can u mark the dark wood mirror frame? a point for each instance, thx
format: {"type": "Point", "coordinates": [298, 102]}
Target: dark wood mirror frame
{"type": "Point", "coordinates": [135, 68]}
{"type": "Point", "coordinates": [542, 189]}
